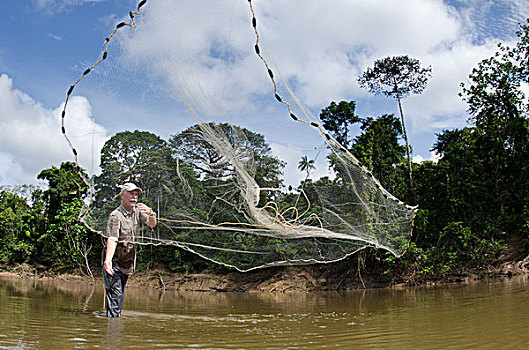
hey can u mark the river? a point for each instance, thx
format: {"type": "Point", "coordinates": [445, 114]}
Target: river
{"type": "Point", "coordinates": [54, 314]}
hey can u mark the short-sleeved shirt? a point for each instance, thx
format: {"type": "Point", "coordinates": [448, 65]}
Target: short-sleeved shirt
{"type": "Point", "coordinates": [124, 227]}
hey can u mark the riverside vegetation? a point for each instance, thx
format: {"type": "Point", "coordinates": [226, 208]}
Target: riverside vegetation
{"type": "Point", "coordinates": [474, 201]}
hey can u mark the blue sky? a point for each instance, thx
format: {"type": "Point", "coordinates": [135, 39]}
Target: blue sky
{"type": "Point", "coordinates": [205, 48]}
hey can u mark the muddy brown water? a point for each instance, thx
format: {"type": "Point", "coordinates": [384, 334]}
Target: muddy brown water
{"type": "Point", "coordinates": [494, 314]}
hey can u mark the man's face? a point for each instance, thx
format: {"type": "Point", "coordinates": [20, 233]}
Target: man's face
{"type": "Point", "coordinates": [129, 199]}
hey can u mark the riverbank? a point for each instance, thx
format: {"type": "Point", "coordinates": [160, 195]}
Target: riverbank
{"type": "Point", "coordinates": [350, 274]}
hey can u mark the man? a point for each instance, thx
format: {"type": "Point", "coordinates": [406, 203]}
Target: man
{"type": "Point", "coordinates": [123, 227]}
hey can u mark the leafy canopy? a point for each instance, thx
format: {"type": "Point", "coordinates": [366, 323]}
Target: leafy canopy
{"type": "Point", "coordinates": [396, 76]}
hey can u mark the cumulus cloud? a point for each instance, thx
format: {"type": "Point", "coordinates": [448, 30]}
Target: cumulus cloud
{"type": "Point", "coordinates": [319, 48]}
{"type": "Point", "coordinates": [202, 52]}
{"type": "Point", "coordinates": [439, 106]}
{"type": "Point", "coordinates": [31, 139]}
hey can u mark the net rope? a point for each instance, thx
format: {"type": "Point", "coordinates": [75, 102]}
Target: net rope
{"type": "Point", "coordinates": [248, 226]}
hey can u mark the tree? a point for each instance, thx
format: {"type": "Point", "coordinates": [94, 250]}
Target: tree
{"type": "Point", "coordinates": [135, 156]}
{"type": "Point", "coordinates": [306, 165]}
{"type": "Point", "coordinates": [199, 146]}
{"type": "Point", "coordinates": [500, 113]}
{"type": "Point", "coordinates": [337, 118]}
{"type": "Point", "coordinates": [64, 184]}
{"type": "Point", "coordinates": [75, 241]}
{"type": "Point", "coordinates": [65, 239]}
{"type": "Point", "coordinates": [397, 77]}
{"type": "Point", "coordinates": [18, 228]}
{"type": "Point", "coordinates": [476, 195]}
{"type": "Point", "coordinates": [378, 148]}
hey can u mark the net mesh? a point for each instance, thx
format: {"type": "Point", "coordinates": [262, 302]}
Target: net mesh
{"type": "Point", "coordinates": [217, 186]}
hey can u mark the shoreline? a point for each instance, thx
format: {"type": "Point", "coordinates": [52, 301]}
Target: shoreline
{"type": "Point", "coordinates": [310, 278]}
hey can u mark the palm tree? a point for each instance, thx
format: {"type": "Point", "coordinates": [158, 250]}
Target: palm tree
{"type": "Point", "coordinates": [306, 165]}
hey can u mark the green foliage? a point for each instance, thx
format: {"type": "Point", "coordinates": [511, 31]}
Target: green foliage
{"type": "Point", "coordinates": [378, 148]}
{"type": "Point", "coordinates": [481, 180]}
{"type": "Point", "coordinates": [457, 252]}
{"type": "Point", "coordinates": [475, 198]}
{"type": "Point", "coordinates": [44, 229]}
{"type": "Point", "coordinates": [17, 229]}
{"type": "Point", "coordinates": [397, 76]}
{"type": "Point", "coordinates": [68, 242]}
{"type": "Point", "coordinates": [193, 149]}
{"type": "Point", "coordinates": [140, 157]}
{"type": "Point", "coordinates": [64, 184]}
{"type": "Point", "coordinates": [64, 241]}
{"type": "Point", "coordinates": [306, 164]}
{"type": "Point", "coordinates": [337, 119]}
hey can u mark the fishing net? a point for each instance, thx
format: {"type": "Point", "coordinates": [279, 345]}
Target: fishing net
{"type": "Point", "coordinates": [206, 79]}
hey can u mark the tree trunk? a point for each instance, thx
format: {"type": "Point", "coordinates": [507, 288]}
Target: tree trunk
{"type": "Point", "coordinates": [405, 139]}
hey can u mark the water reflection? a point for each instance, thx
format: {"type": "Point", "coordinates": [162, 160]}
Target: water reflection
{"type": "Point", "coordinates": [67, 314]}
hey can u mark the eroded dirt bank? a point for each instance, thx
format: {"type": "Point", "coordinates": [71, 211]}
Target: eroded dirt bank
{"type": "Point", "coordinates": [345, 275]}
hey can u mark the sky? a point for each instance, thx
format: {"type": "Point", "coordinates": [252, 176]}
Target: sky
{"type": "Point", "coordinates": [200, 52]}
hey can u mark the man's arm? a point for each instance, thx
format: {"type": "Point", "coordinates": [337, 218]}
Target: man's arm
{"type": "Point", "coordinates": [111, 249]}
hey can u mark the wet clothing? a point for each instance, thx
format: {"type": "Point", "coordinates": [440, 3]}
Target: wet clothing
{"type": "Point", "coordinates": [124, 228]}
{"type": "Point", "coordinates": [115, 291]}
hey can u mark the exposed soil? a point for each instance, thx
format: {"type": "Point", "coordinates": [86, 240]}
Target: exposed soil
{"type": "Point", "coordinates": [330, 277]}
{"type": "Point", "coordinates": [345, 275]}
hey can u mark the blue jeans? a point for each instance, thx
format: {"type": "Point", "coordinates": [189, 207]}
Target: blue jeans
{"type": "Point", "coordinates": [115, 291]}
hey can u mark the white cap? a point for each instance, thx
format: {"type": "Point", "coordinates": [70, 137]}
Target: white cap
{"type": "Point", "coordinates": [129, 186]}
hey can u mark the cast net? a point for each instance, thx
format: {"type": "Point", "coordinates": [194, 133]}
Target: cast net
{"type": "Point", "coordinates": [200, 74]}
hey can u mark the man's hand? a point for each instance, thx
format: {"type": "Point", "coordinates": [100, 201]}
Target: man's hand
{"type": "Point", "coordinates": [111, 248]}
{"type": "Point", "coordinates": [151, 222]}
{"type": "Point", "coordinates": [108, 267]}
{"type": "Point", "coordinates": [145, 209]}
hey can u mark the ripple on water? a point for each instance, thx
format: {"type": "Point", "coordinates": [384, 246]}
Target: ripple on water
{"type": "Point", "coordinates": [484, 315]}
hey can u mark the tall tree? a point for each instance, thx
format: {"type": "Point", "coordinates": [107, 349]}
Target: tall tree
{"type": "Point", "coordinates": [305, 164]}
{"type": "Point", "coordinates": [397, 77]}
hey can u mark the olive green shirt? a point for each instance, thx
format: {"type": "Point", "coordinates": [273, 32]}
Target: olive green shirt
{"type": "Point", "coordinates": [124, 227]}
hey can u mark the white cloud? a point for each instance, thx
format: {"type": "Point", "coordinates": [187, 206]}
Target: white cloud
{"type": "Point", "coordinates": [55, 6]}
{"type": "Point", "coordinates": [326, 45]}
{"type": "Point", "coordinates": [320, 48]}
{"type": "Point", "coordinates": [54, 37]}
{"type": "Point", "coordinates": [419, 159]}
{"type": "Point", "coordinates": [203, 51]}
{"type": "Point", "coordinates": [31, 139]}
{"type": "Point", "coordinates": [439, 106]}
